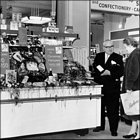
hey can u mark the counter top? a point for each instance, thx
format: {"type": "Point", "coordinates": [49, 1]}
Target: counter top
{"type": "Point", "coordinates": [49, 93]}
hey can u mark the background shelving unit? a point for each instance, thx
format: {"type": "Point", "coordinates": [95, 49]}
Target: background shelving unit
{"type": "Point", "coordinates": [44, 34]}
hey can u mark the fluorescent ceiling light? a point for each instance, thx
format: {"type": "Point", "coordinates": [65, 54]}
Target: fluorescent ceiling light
{"type": "Point", "coordinates": [35, 20]}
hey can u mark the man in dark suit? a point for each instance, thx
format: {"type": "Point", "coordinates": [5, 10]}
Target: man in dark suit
{"type": "Point", "coordinates": [108, 68]}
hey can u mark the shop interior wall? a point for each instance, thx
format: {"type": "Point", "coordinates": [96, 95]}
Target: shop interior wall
{"type": "Point", "coordinates": [101, 32]}
{"type": "Point", "coordinates": [77, 15]}
{"type": "Point", "coordinates": [114, 22]}
{"type": "Point", "coordinates": [60, 12]}
{"type": "Point", "coordinates": [119, 22]}
{"type": "Point", "coordinates": [132, 22]}
{"type": "Point", "coordinates": [97, 34]}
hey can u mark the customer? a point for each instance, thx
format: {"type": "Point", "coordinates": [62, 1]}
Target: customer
{"type": "Point", "coordinates": [108, 68]}
{"type": "Point", "coordinates": [131, 80]}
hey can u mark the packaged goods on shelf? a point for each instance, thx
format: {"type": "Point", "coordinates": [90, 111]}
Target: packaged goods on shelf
{"type": "Point", "coordinates": [29, 61]}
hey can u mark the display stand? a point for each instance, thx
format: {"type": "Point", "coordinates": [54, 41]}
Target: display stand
{"type": "Point", "coordinates": [45, 109]}
{"type": "Point", "coordinates": [40, 110]}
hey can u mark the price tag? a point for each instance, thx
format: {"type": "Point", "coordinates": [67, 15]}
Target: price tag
{"type": "Point", "coordinates": [4, 27]}
{"type": "Point", "coordinates": [13, 25]}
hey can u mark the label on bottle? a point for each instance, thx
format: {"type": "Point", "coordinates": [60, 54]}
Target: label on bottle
{"type": "Point", "coordinates": [51, 79]}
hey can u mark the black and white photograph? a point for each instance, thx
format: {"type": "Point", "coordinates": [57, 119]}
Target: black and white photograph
{"type": "Point", "coordinates": [70, 69]}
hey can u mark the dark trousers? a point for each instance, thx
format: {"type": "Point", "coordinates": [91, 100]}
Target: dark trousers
{"type": "Point", "coordinates": [110, 103]}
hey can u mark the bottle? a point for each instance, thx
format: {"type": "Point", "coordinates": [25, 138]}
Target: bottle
{"type": "Point", "coordinates": [50, 76]}
{"type": "Point", "coordinates": [50, 72]}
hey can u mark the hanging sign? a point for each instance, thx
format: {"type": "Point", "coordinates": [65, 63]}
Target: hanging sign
{"type": "Point", "coordinates": [117, 6]}
{"type": "Point", "coordinates": [4, 57]}
{"type": "Point", "coordinates": [54, 58]}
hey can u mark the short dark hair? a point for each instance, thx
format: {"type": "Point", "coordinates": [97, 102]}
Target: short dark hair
{"type": "Point", "coordinates": [131, 41]}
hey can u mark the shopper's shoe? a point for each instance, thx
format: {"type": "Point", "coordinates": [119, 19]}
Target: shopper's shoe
{"type": "Point", "coordinates": [130, 136]}
{"type": "Point", "coordinates": [136, 138]}
{"type": "Point", "coordinates": [97, 129]}
{"type": "Point", "coordinates": [114, 134]}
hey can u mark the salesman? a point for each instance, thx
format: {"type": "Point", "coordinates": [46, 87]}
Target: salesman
{"type": "Point", "coordinates": [108, 68]}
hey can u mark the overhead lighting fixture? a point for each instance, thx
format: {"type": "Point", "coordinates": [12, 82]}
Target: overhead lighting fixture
{"type": "Point", "coordinates": [35, 20]}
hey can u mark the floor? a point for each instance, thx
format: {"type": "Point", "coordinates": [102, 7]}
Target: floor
{"type": "Point", "coordinates": [122, 130]}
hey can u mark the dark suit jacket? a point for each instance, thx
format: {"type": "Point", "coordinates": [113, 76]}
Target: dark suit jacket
{"type": "Point", "coordinates": [132, 72]}
{"type": "Point", "coordinates": [111, 83]}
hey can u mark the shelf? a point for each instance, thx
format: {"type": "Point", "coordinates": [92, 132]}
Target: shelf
{"type": "Point", "coordinates": [44, 34]}
{"type": "Point", "coordinates": [10, 32]}
{"type": "Point", "coordinates": [67, 47]}
{"type": "Point", "coordinates": [24, 46]}
{"type": "Point", "coordinates": [51, 34]}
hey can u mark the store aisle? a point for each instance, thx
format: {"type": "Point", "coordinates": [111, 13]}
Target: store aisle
{"type": "Point", "coordinates": [123, 129]}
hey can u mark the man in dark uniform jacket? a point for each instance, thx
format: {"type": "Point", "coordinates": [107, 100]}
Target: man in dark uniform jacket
{"type": "Point", "coordinates": [108, 68]}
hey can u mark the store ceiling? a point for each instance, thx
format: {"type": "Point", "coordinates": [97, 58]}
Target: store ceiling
{"type": "Point", "coordinates": [34, 8]}
{"type": "Point", "coordinates": [40, 8]}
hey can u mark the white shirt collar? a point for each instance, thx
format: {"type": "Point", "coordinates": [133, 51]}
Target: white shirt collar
{"type": "Point", "coordinates": [106, 57]}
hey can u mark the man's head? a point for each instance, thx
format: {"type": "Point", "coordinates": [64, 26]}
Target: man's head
{"type": "Point", "coordinates": [108, 47]}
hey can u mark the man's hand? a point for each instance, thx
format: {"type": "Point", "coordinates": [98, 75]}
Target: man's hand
{"type": "Point", "coordinates": [106, 72]}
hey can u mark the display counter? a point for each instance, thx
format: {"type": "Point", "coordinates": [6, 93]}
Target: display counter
{"type": "Point", "coordinates": [29, 111]}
